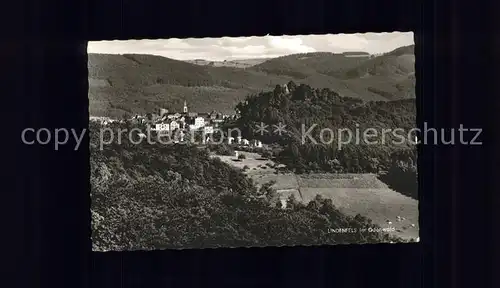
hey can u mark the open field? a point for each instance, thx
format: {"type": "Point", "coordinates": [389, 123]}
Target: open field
{"type": "Point", "coordinates": [353, 194]}
{"type": "Point", "coordinates": [325, 180]}
{"type": "Point", "coordinates": [385, 207]}
{"type": "Point", "coordinates": [253, 161]}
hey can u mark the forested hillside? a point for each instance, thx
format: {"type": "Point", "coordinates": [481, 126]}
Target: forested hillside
{"type": "Point", "coordinates": [152, 196]}
{"type": "Point", "coordinates": [128, 84]}
{"type": "Point", "coordinates": [305, 107]}
{"type": "Point", "coordinates": [301, 66]}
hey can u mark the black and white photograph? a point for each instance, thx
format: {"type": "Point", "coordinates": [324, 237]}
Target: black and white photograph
{"type": "Point", "coordinates": [292, 140]}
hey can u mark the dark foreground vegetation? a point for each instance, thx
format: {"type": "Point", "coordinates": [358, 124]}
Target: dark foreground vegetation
{"type": "Point", "coordinates": [152, 196]}
{"type": "Point", "coordinates": [402, 177]}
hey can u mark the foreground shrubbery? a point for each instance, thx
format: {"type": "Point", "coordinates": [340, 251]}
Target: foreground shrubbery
{"type": "Point", "coordinates": [222, 149]}
{"type": "Point", "coordinates": [152, 196]}
{"type": "Point", "coordinates": [402, 177]}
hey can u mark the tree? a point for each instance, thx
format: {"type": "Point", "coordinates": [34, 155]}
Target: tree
{"type": "Point", "coordinates": [266, 154]}
{"type": "Point", "coordinates": [292, 202]}
{"type": "Point", "coordinates": [291, 86]}
{"type": "Point", "coordinates": [268, 191]}
{"type": "Point", "coordinates": [125, 116]}
{"type": "Point", "coordinates": [224, 149]}
{"type": "Point", "coordinates": [402, 177]}
{"type": "Point", "coordinates": [278, 89]}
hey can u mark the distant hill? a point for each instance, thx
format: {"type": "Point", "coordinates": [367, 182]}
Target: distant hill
{"type": "Point", "coordinates": [399, 62]}
{"type": "Point", "coordinates": [364, 54]}
{"type": "Point", "coordinates": [410, 49]}
{"type": "Point", "coordinates": [128, 84]}
{"type": "Point", "coordinates": [241, 63]}
{"type": "Point", "coordinates": [390, 76]}
{"type": "Point", "coordinates": [143, 83]}
{"type": "Point", "coordinates": [308, 64]}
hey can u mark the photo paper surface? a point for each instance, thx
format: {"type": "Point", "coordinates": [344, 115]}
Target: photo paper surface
{"type": "Point", "coordinates": [253, 141]}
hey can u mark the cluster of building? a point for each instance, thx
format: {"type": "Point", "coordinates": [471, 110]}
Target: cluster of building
{"type": "Point", "coordinates": [102, 120]}
{"type": "Point", "coordinates": [244, 142]}
{"type": "Point", "coordinates": [166, 121]}
{"type": "Point", "coordinates": [170, 122]}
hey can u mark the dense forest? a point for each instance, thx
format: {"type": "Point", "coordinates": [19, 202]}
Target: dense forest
{"type": "Point", "coordinates": [152, 196]}
{"type": "Point", "coordinates": [302, 107]}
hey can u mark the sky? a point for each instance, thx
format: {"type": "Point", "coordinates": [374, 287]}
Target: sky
{"type": "Point", "coordinates": [233, 48]}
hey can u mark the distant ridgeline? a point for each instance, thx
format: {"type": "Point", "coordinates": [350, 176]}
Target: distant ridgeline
{"type": "Point", "coordinates": [137, 84]}
{"type": "Point", "coordinates": [356, 54]}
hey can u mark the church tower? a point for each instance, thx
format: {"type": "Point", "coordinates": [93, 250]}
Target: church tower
{"type": "Point", "coordinates": [185, 107]}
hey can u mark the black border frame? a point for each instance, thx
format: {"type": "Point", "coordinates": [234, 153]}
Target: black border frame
{"type": "Point", "coordinates": [51, 187]}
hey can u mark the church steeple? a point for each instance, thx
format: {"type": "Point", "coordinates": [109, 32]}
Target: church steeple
{"type": "Point", "coordinates": [185, 107]}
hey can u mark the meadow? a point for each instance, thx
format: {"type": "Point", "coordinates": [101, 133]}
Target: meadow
{"type": "Point", "coordinates": [351, 193]}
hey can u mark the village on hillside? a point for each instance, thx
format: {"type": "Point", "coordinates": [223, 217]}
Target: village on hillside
{"type": "Point", "coordinates": [179, 124]}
